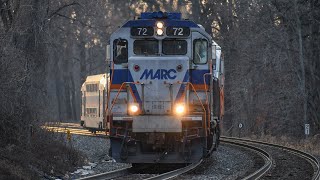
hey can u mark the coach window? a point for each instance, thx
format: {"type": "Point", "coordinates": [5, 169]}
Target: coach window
{"type": "Point", "coordinates": [200, 53]}
{"type": "Point", "coordinates": [174, 47]}
{"type": "Point", "coordinates": [91, 112]}
{"type": "Point", "coordinates": [146, 47]}
{"type": "Point", "coordinates": [92, 87]}
{"type": "Point", "coordinates": [120, 51]}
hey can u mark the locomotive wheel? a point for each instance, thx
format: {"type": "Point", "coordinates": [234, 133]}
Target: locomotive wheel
{"type": "Point", "coordinates": [215, 139]}
{"type": "Point", "coordinates": [212, 141]}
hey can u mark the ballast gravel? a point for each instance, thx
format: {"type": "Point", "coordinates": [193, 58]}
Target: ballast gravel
{"type": "Point", "coordinates": [228, 162]}
{"type": "Point", "coordinates": [96, 149]}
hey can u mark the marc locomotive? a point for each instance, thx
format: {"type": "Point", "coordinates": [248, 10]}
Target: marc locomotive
{"type": "Point", "coordinates": [165, 97]}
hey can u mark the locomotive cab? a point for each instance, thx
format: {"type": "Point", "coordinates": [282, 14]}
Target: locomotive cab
{"type": "Point", "coordinates": [160, 102]}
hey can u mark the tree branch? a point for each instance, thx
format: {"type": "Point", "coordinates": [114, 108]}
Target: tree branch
{"type": "Point", "coordinates": [73, 19]}
{"type": "Point", "coordinates": [56, 12]}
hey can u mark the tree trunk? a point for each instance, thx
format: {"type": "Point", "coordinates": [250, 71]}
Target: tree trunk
{"type": "Point", "coordinates": [302, 65]}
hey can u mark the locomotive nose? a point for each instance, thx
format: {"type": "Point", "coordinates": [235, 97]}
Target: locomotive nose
{"type": "Point", "coordinates": [161, 78]}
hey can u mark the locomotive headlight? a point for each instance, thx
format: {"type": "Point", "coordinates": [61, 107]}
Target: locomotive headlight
{"type": "Point", "coordinates": [159, 32]}
{"type": "Point", "coordinates": [180, 109]}
{"type": "Point", "coordinates": [133, 108]}
{"type": "Point", "coordinates": [160, 25]}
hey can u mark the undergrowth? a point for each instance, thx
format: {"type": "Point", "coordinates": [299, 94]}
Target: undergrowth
{"type": "Point", "coordinates": [309, 144]}
{"type": "Point", "coordinates": [46, 155]}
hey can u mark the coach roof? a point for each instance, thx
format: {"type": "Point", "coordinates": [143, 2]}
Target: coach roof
{"type": "Point", "coordinates": [95, 78]}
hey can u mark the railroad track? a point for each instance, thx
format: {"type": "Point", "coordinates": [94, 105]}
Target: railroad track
{"type": "Point", "coordinates": [260, 172]}
{"type": "Point", "coordinates": [278, 160]}
{"type": "Point", "coordinates": [126, 172]}
{"type": "Point", "coordinates": [265, 171]}
{"type": "Point", "coordinates": [262, 153]}
{"type": "Point", "coordinates": [172, 174]}
{"type": "Point", "coordinates": [72, 128]}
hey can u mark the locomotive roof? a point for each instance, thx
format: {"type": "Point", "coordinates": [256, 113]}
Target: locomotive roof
{"type": "Point", "coordinates": [217, 45]}
{"type": "Point", "coordinates": [170, 19]}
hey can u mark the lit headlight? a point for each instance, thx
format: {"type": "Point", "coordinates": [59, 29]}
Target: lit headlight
{"type": "Point", "coordinates": [159, 28]}
{"type": "Point", "coordinates": [179, 109]}
{"type": "Point", "coordinates": [160, 25]}
{"type": "Point", "coordinates": [133, 108]}
{"type": "Point", "coordinates": [159, 32]}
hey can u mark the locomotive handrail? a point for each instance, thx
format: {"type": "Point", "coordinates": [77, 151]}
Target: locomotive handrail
{"type": "Point", "coordinates": [140, 83]}
{"type": "Point", "coordinates": [204, 110]}
{"type": "Point", "coordinates": [109, 86]}
{"type": "Point", "coordinates": [195, 93]}
{"type": "Point", "coordinates": [205, 88]}
{"type": "Point", "coordinates": [114, 101]}
{"type": "Point", "coordinates": [204, 80]}
{"type": "Point", "coordinates": [205, 85]}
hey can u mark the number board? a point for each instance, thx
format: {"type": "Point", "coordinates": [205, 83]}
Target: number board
{"type": "Point", "coordinates": [178, 31]}
{"type": "Point", "coordinates": [142, 31]}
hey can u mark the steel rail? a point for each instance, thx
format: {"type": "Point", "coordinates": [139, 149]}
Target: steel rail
{"type": "Point", "coordinates": [125, 171]}
{"type": "Point", "coordinates": [73, 131]}
{"type": "Point", "coordinates": [265, 155]}
{"type": "Point", "coordinates": [313, 160]}
{"type": "Point", "coordinates": [108, 175]}
{"type": "Point", "coordinates": [175, 173]}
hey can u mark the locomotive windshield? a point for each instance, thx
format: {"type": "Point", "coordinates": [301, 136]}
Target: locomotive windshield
{"type": "Point", "coordinates": [200, 51]}
{"type": "Point", "coordinates": [146, 47]}
{"type": "Point", "coordinates": [120, 51]}
{"type": "Point", "coordinates": [174, 47]}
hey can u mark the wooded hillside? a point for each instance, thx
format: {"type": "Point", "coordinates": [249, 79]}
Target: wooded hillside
{"type": "Point", "coordinates": [271, 51]}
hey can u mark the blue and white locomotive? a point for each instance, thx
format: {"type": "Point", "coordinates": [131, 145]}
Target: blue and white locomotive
{"type": "Point", "coordinates": [165, 99]}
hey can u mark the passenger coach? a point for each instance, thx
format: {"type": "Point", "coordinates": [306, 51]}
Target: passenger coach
{"type": "Point", "coordinates": [93, 102]}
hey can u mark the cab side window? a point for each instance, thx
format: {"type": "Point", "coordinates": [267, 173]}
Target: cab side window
{"type": "Point", "coordinates": [120, 51]}
{"type": "Point", "coordinates": [200, 51]}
